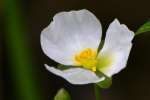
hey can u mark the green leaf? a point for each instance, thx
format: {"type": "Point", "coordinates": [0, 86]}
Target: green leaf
{"type": "Point", "coordinates": [105, 83]}
{"type": "Point", "coordinates": [62, 94]}
{"type": "Point", "coordinates": [143, 28]}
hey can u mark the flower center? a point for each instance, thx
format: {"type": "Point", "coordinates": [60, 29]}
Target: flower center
{"type": "Point", "coordinates": [87, 59]}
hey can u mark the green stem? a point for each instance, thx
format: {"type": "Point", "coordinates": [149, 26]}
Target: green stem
{"type": "Point", "coordinates": [23, 77]}
{"type": "Point", "coordinates": [97, 92]}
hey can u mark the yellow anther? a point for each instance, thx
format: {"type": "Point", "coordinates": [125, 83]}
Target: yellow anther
{"type": "Point", "coordinates": [87, 59]}
{"type": "Point", "coordinates": [94, 68]}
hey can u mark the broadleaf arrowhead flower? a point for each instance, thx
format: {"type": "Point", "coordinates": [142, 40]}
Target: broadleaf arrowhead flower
{"type": "Point", "coordinates": [73, 38]}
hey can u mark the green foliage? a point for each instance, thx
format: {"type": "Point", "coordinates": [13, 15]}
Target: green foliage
{"type": "Point", "coordinates": [144, 28]}
{"type": "Point", "coordinates": [62, 94]}
{"type": "Point", "coordinates": [105, 83]}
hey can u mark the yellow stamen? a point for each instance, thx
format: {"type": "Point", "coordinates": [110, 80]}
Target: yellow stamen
{"type": "Point", "coordinates": [86, 59]}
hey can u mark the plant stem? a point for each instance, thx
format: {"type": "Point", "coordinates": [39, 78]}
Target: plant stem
{"type": "Point", "coordinates": [20, 64]}
{"type": "Point", "coordinates": [97, 92]}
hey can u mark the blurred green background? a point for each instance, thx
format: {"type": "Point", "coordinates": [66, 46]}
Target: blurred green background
{"type": "Point", "coordinates": [24, 76]}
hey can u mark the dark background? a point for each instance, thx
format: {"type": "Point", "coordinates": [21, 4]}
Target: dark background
{"type": "Point", "coordinates": [133, 83]}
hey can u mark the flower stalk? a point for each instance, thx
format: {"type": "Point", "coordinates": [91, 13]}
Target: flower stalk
{"type": "Point", "coordinates": [20, 59]}
{"type": "Point", "coordinates": [97, 92]}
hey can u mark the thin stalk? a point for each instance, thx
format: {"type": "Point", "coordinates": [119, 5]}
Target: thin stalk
{"type": "Point", "coordinates": [97, 92]}
{"type": "Point", "coordinates": [20, 59]}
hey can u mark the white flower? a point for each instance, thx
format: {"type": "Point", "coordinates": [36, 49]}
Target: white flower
{"type": "Point", "coordinates": [73, 38]}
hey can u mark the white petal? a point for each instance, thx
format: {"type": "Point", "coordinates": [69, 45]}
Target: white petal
{"type": "Point", "coordinates": [69, 33]}
{"type": "Point", "coordinates": [117, 46]}
{"type": "Point", "coordinates": [76, 75]}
